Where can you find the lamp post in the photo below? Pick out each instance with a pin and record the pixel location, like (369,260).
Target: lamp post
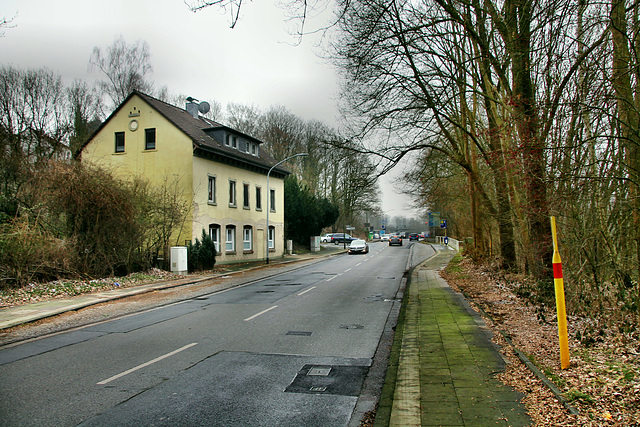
(269,197)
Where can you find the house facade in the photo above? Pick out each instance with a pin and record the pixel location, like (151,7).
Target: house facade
(219,172)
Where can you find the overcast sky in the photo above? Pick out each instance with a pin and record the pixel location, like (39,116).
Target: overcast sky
(196,54)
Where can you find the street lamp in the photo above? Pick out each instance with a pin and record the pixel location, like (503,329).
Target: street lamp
(269,197)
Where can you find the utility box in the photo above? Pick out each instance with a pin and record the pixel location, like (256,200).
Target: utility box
(179,260)
(315,244)
(290,247)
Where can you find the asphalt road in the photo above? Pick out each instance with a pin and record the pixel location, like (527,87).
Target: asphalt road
(288,350)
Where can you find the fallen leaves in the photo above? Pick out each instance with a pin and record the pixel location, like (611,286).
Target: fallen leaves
(603,380)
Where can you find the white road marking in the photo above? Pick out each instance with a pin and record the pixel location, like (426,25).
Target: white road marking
(358,264)
(348,269)
(151,362)
(304,292)
(259,314)
(332,277)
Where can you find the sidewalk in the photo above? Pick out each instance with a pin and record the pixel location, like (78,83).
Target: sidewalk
(446,362)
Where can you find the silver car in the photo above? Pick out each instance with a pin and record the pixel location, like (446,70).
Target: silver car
(358,246)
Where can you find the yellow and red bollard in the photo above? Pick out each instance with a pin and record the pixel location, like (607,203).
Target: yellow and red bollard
(558,282)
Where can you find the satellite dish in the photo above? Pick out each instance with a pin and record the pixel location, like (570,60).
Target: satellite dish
(204,107)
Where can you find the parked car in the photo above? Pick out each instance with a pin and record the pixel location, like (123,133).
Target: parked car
(358,246)
(413,236)
(326,238)
(342,238)
(395,239)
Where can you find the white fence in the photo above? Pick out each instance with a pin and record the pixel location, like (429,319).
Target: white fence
(452,243)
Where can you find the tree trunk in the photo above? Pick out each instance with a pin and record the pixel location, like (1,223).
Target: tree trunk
(518,19)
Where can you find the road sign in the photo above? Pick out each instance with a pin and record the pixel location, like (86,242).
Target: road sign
(443,223)
(351,228)
(434,219)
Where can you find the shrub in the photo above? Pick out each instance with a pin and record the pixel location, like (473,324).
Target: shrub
(30,253)
(201,255)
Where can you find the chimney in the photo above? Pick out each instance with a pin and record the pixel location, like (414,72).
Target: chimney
(192,107)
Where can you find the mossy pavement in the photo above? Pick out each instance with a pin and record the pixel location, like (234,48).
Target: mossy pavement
(443,364)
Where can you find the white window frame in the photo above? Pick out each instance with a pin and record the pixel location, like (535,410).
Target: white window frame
(230,238)
(247,238)
(214,233)
(271,237)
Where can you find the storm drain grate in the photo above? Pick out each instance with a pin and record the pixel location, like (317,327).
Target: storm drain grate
(328,379)
(299,333)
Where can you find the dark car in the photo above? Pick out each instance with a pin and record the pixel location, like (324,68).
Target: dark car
(413,236)
(395,239)
(342,238)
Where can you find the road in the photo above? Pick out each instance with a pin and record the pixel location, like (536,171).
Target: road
(289,350)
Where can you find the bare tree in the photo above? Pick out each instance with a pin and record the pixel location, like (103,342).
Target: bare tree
(124,68)
(34,128)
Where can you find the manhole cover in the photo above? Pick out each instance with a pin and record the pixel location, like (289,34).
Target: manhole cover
(339,380)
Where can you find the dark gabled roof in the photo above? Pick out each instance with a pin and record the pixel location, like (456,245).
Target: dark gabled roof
(195,129)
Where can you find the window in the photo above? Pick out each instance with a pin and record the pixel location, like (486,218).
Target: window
(258,198)
(227,140)
(247,238)
(271,237)
(214,233)
(245,196)
(150,139)
(234,142)
(230,244)
(254,150)
(212,189)
(119,142)
(272,200)
(232,194)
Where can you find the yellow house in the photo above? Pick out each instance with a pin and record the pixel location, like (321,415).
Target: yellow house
(220,172)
